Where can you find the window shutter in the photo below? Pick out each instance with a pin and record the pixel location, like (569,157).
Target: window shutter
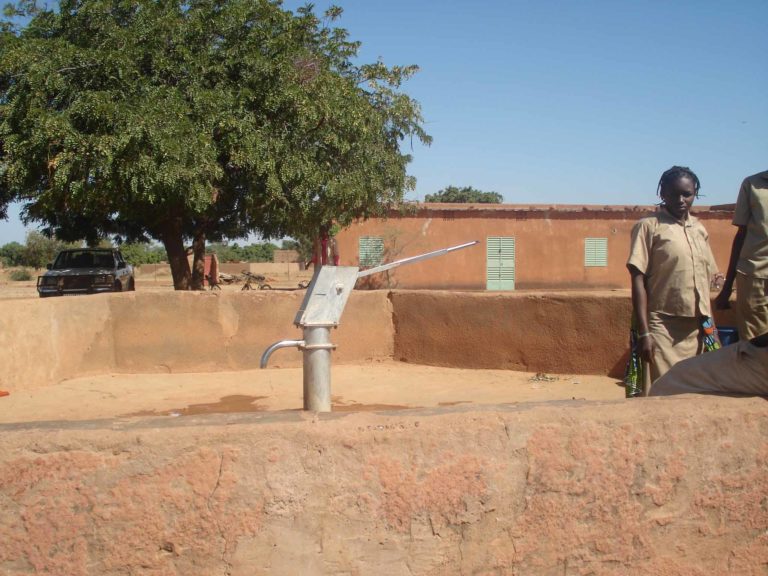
(595,252)
(370,251)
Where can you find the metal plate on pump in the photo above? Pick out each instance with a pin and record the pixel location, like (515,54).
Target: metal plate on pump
(326,296)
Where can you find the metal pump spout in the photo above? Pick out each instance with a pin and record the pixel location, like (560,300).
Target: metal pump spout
(277,346)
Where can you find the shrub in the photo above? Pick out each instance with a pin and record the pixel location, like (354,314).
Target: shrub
(138,253)
(20,275)
(11,254)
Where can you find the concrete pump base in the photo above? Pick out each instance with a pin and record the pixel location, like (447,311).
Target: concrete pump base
(654,486)
(139,439)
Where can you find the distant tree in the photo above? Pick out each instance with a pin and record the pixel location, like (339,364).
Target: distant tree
(262,252)
(196,120)
(464,194)
(12,254)
(138,253)
(226,252)
(289,244)
(40,250)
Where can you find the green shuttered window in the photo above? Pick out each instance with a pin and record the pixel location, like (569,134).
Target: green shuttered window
(500,263)
(370,251)
(595,252)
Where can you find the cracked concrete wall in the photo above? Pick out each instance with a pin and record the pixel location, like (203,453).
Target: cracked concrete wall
(659,486)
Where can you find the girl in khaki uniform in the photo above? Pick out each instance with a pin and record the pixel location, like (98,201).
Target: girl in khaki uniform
(671,265)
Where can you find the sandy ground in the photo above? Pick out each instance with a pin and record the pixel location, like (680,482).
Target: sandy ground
(374,387)
(153,282)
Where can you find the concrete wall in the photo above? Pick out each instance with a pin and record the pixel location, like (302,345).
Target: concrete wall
(549,244)
(286,256)
(657,486)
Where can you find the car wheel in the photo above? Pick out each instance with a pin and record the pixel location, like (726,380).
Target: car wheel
(131,285)
(118,287)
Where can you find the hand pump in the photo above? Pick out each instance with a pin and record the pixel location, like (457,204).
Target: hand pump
(320,311)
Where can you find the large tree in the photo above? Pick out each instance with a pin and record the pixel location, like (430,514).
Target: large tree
(464,194)
(196,120)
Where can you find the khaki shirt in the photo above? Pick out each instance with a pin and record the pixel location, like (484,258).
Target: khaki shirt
(752,212)
(677,262)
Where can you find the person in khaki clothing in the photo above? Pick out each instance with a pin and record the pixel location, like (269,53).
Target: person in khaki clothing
(740,369)
(748,264)
(671,266)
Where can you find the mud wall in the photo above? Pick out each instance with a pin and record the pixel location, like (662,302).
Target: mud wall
(565,489)
(45,341)
(565,332)
(582,333)
(549,244)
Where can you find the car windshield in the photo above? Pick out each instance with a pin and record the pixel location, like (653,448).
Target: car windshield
(84,259)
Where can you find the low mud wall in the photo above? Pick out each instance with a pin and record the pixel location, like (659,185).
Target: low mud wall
(45,341)
(559,332)
(671,486)
(582,333)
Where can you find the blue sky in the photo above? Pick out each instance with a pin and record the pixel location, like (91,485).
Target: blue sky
(573,102)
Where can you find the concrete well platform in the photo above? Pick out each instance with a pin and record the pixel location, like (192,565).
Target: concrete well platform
(655,486)
(472,434)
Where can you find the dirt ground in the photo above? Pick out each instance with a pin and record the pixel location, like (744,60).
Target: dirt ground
(373,387)
(151,282)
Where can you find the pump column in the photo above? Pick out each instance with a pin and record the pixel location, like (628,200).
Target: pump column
(317,368)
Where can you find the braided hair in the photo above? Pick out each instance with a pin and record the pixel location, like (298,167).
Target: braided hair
(674,174)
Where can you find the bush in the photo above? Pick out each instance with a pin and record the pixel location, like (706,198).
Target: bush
(12,254)
(138,253)
(20,275)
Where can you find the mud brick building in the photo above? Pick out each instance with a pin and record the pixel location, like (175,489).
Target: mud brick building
(520,246)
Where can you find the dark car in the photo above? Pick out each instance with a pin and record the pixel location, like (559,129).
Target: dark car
(86,271)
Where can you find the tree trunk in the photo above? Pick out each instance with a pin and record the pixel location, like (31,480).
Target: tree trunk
(317,251)
(198,262)
(173,240)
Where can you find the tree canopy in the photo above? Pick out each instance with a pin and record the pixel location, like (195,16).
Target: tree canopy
(196,120)
(464,194)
